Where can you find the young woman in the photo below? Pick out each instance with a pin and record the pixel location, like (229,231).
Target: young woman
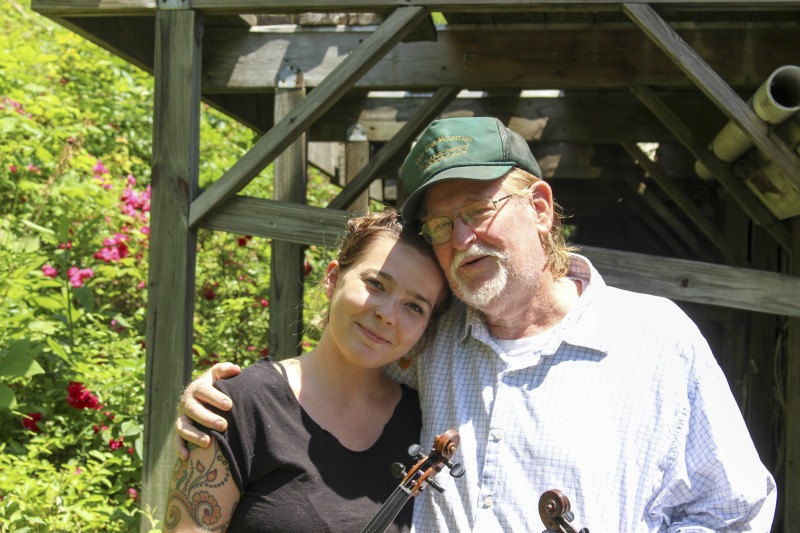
(310,440)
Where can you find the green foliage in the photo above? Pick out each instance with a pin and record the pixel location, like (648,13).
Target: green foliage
(76,124)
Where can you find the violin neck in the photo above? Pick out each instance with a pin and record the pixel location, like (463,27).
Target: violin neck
(388,511)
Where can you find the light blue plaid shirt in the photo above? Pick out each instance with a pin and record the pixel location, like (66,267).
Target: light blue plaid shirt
(621,406)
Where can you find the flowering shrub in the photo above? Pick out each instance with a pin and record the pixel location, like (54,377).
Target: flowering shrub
(74,237)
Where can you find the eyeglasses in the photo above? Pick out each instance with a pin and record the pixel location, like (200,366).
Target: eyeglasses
(439,230)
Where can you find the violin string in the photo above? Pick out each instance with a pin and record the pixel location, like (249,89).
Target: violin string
(388,511)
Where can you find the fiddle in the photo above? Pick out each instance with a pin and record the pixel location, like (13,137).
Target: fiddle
(415,480)
(554,510)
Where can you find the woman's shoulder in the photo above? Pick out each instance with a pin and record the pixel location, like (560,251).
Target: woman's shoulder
(263,375)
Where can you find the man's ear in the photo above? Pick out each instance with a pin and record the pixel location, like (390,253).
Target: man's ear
(543,205)
(331,277)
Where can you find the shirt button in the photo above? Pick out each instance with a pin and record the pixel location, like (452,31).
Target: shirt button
(498,435)
(488,501)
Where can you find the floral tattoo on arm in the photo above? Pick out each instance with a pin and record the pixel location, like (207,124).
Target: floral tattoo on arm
(192,482)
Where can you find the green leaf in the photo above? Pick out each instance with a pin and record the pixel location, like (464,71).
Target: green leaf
(58,350)
(48,302)
(85,297)
(20,364)
(7,398)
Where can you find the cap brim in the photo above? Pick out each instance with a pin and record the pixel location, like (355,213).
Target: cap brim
(410,209)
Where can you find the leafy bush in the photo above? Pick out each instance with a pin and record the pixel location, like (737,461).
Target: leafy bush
(74,173)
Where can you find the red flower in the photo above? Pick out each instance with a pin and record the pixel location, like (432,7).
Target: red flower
(79,397)
(307,268)
(29,421)
(115,444)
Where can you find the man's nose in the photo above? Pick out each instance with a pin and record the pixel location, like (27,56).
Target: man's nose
(463,234)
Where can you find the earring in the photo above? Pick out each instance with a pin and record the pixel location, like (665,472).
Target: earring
(407,359)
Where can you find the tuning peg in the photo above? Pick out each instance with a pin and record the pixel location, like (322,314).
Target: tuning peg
(398,470)
(456,470)
(415,450)
(435,485)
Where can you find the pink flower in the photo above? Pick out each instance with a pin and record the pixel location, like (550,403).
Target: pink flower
(79,397)
(141,285)
(99,168)
(132,494)
(114,248)
(29,421)
(12,168)
(78,470)
(65,245)
(78,275)
(264,302)
(131,451)
(115,444)
(49,271)
(116,326)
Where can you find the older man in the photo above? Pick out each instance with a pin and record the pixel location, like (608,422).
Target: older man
(552,378)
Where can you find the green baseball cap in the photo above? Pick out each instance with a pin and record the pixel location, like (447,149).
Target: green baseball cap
(467,148)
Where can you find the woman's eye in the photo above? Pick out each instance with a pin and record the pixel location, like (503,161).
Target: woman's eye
(374,283)
(417,308)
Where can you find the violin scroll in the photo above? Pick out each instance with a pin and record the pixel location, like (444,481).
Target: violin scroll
(444,447)
(554,510)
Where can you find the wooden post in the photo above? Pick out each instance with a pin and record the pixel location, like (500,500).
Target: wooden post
(286,278)
(170,302)
(356,157)
(791,496)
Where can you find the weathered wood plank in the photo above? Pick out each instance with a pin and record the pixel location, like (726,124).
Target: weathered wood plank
(316,103)
(476,57)
(743,196)
(287,261)
(170,301)
(79,7)
(792,406)
(292,6)
(693,281)
(278,220)
(718,91)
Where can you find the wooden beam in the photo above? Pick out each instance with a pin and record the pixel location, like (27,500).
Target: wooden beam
(717,90)
(473,6)
(315,104)
(743,196)
(93,7)
(693,281)
(686,204)
(476,57)
(401,141)
(791,473)
(295,223)
(171,273)
(287,259)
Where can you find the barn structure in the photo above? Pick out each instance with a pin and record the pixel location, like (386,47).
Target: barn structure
(668,130)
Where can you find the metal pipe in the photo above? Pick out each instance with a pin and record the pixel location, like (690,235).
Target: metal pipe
(776,100)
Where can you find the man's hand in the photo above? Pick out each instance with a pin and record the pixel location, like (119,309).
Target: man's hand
(191,408)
